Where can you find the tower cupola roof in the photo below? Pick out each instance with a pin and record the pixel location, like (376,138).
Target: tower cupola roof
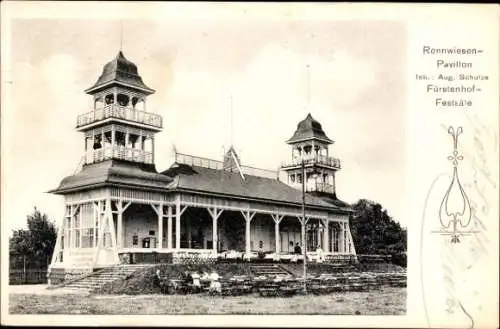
(308,129)
(120,71)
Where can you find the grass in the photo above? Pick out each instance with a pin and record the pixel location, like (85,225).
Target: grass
(385,301)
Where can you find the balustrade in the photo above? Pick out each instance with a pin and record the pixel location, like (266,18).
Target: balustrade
(319,160)
(120,152)
(120,112)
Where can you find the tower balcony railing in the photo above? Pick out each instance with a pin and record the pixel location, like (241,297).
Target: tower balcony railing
(319,159)
(312,186)
(119,152)
(321,187)
(316,187)
(119,112)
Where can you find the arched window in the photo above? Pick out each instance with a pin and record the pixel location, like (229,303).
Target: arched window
(109,99)
(134,101)
(97,142)
(140,104)
(98,103)
(122,99)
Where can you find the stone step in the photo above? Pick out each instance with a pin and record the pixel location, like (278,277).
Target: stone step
(104,276)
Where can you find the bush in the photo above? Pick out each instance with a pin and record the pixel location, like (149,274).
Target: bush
(400,259)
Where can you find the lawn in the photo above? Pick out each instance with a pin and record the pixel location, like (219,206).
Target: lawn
(385,301)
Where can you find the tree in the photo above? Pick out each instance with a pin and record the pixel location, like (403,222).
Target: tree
(374,231)
(35,244)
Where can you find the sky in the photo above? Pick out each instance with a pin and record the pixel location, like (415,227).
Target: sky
(357,92)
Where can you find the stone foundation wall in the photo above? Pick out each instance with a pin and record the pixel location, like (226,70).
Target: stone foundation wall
(58,276)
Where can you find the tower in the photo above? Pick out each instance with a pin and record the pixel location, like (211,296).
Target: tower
(118,127)
(118,169)
(310,148)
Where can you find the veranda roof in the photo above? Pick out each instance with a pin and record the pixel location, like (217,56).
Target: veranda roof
(114,171)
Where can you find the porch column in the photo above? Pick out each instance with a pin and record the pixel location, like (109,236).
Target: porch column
(277,241)
(160,226)
(178,225)
(169,227)
(119,225)
(318,235)
(215,213)
(248,218)
(178,213)
(326,245)
(341,237)
(152,149)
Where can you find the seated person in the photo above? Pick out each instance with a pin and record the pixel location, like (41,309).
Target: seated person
(187,278)
(205,276)
(196,280)
(297,249)
(215,286)
(320,256)
(214,276)
(157,278)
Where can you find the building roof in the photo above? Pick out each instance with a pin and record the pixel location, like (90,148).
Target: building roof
(114,171)
(201,179)
(120,71)
(308,129)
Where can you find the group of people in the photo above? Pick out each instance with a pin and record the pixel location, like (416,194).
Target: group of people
(320,257)
(194,280)
(196,277)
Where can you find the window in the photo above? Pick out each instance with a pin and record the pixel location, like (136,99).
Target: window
(292,178)
(88,238)
(299,178)
(151,232)
(135,240)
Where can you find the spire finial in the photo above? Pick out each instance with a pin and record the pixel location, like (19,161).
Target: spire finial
(308,81)
(121,35)
(231,109)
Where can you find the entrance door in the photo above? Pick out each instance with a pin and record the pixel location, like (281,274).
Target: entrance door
(288,240)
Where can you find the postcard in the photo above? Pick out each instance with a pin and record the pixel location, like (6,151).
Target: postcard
(250,164)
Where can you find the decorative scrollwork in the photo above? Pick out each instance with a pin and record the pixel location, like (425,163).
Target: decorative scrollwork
(455,211)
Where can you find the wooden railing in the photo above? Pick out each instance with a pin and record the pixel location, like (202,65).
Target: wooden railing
(321,187)
(219,165)
(198,161)
(119,152)
(120,112)
(320,159)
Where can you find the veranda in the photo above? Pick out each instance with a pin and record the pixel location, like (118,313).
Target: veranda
(113,225)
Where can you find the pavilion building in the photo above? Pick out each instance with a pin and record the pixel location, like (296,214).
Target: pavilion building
(119,208)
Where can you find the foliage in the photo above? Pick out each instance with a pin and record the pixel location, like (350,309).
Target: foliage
(34,245)
(375,232)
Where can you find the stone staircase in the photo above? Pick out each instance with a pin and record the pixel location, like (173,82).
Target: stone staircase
(99,279)
(268,269)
